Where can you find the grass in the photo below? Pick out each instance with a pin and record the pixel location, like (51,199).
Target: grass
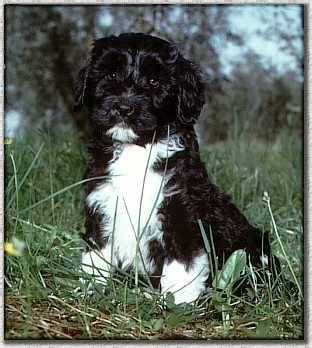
(40,296)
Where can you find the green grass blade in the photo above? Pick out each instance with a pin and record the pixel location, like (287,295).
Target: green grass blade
(67,188)
(266,198)
(26,173)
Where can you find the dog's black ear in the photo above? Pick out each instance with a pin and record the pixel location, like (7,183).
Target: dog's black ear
(172,54)
(82,84)
(83,89)
(80,89)
(191,97)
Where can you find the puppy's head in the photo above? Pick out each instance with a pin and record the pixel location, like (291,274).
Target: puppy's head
(134,84)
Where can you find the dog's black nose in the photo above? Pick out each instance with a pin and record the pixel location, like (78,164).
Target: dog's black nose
(127,109)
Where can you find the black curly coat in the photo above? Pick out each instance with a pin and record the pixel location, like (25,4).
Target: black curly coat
(162,89)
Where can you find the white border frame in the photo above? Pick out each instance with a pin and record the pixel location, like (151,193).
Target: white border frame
(307,179)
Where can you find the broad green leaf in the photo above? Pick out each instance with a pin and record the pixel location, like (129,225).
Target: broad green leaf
(169,300)
(178,319)
(175,320)
(157,324)
(231,271)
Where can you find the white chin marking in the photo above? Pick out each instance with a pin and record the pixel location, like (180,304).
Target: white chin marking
(122,134)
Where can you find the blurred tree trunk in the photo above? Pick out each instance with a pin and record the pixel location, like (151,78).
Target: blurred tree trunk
(62,71)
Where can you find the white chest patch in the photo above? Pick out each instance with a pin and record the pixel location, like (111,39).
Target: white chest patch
(130,201)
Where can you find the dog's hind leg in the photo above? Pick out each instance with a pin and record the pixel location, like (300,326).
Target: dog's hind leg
(185,282)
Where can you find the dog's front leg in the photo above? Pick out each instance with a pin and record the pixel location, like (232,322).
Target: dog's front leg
(96,261)
(185,281)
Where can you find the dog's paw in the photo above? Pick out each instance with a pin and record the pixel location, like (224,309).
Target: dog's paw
(96,270)
(185,284)
(186,296)
(91,286)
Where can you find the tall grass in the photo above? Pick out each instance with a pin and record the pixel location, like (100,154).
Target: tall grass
(44,209)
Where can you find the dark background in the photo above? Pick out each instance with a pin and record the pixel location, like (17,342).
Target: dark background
(45,46)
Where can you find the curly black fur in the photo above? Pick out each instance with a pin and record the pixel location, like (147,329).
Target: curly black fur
(145,82)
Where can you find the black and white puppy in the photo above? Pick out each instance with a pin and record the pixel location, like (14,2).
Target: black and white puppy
(143,99)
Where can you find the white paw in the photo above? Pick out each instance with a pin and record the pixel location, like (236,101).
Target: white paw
(185,285)
(96,265)
(186,296)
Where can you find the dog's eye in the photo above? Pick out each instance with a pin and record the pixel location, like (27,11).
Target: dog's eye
(111,75)
(153,82)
